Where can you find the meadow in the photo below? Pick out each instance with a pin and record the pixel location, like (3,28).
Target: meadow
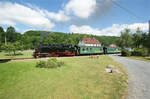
(22,54)
(80,78)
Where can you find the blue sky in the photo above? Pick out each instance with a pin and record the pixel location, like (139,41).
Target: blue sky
(97,17)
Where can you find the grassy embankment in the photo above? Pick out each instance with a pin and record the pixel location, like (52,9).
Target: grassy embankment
(80,78)
(140,58)
(23,54)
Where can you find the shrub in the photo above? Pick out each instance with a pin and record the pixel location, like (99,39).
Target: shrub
(140,52)
(41,64)
(125,52)
(50,63)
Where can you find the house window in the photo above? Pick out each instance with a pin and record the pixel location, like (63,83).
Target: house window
(86,41)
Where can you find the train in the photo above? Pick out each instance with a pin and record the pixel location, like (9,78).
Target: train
(87,46)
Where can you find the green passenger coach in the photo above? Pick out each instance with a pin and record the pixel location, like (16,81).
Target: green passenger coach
(90,46)
(113,49)
(90,50)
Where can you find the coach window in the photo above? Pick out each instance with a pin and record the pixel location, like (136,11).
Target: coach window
(83,49)
(87,48)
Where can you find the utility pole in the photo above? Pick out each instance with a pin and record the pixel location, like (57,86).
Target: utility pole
(149,27)
(5,39)
(149,39)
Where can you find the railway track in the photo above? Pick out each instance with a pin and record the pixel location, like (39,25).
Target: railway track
(15,59)
(21,59)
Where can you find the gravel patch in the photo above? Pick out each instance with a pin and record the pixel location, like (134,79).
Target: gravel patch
(139,77)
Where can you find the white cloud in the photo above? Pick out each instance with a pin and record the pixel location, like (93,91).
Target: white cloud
(13,13)
(60,16)
(81,8)
(85,29)
(114,30)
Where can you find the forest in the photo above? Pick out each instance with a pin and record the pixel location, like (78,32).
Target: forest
(31,38)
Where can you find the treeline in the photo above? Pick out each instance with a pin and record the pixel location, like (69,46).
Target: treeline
(32,38)
(134,43)
(10,40)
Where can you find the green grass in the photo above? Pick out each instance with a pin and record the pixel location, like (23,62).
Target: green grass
(80,78)
(24,54)
(140,58)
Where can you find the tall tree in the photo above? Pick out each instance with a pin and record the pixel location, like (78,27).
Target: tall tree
(12,47)
(125,40)
(10,34)
(1,33)
(146,41)
(137,38)
(1,36)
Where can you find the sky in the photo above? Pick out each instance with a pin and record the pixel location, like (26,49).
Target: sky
(96,17)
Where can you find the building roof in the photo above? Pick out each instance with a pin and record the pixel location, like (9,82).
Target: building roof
(113,45)
(90,41)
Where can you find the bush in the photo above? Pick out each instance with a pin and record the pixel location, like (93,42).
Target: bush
(50,63)
(140,52)
(125,52)
(41,64)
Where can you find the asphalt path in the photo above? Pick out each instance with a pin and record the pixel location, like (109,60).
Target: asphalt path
(139,77)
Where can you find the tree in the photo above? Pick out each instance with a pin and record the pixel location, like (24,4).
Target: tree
(148,44)
(16,47)
(7,47)
(125,40)
(12,47)
(1,35)
(145,41)
(137,38)
(11,35)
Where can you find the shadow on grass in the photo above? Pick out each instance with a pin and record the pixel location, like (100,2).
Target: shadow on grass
(17,54)
(146,58)
(4,60)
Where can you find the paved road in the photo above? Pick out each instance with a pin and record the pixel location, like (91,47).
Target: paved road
(139,77)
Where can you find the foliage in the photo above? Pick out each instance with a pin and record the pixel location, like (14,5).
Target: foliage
(145,42)
(41,64)
(50,63)
(125,52)
(140,52)
(1,34)
(36,37)
(125,40)
(31,38)
(12,35)
(137,38)
(140,58)
(12,47)
(8,47)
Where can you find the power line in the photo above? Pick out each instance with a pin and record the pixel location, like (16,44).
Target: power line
(127,10)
